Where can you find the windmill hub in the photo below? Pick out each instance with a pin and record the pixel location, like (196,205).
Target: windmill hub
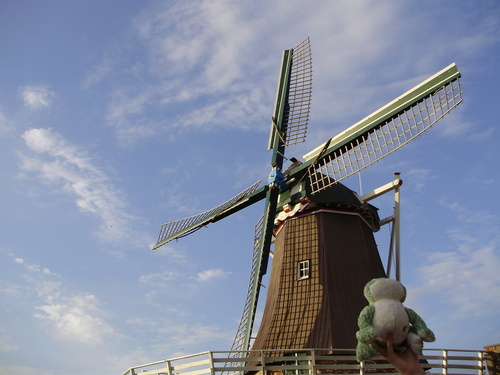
(276,179)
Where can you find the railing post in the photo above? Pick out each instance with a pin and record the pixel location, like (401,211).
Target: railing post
(211,362)
(445,361)
(312,367)
(262,362)
(480,364)
(362,368)
(169,367)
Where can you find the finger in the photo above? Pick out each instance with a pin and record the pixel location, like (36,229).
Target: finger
(381,348)
(390,343)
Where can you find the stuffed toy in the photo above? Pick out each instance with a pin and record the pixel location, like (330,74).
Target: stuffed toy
(386,314)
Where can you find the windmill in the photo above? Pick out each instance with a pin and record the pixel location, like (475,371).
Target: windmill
(324,249)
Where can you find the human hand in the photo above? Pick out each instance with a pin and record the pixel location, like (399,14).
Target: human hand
(406,362)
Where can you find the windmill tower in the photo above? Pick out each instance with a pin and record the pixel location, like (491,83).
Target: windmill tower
(324,249)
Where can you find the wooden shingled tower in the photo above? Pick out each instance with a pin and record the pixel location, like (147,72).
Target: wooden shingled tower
(322,260)
(322,232)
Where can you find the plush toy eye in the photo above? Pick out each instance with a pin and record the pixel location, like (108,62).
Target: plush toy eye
(405,328)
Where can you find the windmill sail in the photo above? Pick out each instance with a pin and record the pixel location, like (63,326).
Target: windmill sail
(290,121)
(384,131)
(246,323)
(180,228)
(293,101)
(289,125)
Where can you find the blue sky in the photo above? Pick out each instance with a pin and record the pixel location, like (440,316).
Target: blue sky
(117,116)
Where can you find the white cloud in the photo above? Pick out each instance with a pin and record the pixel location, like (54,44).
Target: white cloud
(465,278)
(68,314)
(420,178)
(192,335)
(5,342)
(32,267)
(184,338)
(126,104)
(196,53)
(74,171)
(458,276)
(193,53)
(77,317)
(160,279)
(212,274)
(36,97)
(482,220)
(170,279)
(97,73)
(5,126)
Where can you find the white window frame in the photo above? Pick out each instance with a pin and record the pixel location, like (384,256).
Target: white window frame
(303,269)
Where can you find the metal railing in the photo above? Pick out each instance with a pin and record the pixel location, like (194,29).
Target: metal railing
(309,361)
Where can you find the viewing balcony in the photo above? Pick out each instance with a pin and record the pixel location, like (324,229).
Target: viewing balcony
(314,361)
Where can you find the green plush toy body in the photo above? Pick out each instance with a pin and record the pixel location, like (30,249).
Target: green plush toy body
(386,314)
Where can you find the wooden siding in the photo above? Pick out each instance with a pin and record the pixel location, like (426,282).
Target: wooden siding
(321,311)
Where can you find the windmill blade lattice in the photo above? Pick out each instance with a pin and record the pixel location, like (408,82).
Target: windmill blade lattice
(246,321)
(180,228)
(293,100)
(289,126)
(296,115)
(386,130)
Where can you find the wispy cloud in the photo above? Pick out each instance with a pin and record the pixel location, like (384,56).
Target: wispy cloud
(457,276)
(420,177)
(209,275)
(190,335)
(465,279)
(195,55)
(160,279)
(58,162)
(67,314)
(5,126)
(36,97)
(98,72)
(171,279)
(183,337)
(32,267)
(78,317)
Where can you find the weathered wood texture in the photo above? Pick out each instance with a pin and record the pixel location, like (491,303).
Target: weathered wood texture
(321,311)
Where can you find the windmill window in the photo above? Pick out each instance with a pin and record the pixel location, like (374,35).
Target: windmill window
(303,270)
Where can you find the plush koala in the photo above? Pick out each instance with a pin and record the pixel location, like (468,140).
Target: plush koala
(386,314)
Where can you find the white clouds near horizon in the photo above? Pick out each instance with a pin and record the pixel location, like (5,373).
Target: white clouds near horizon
(462,280)
(66,313)
(78,317)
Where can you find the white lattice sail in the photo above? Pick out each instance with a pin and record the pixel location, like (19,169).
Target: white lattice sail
(385,130)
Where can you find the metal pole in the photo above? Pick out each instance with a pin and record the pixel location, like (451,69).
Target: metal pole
(397,227)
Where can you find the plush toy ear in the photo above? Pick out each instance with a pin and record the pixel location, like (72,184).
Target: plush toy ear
(367,292)
(404,294)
